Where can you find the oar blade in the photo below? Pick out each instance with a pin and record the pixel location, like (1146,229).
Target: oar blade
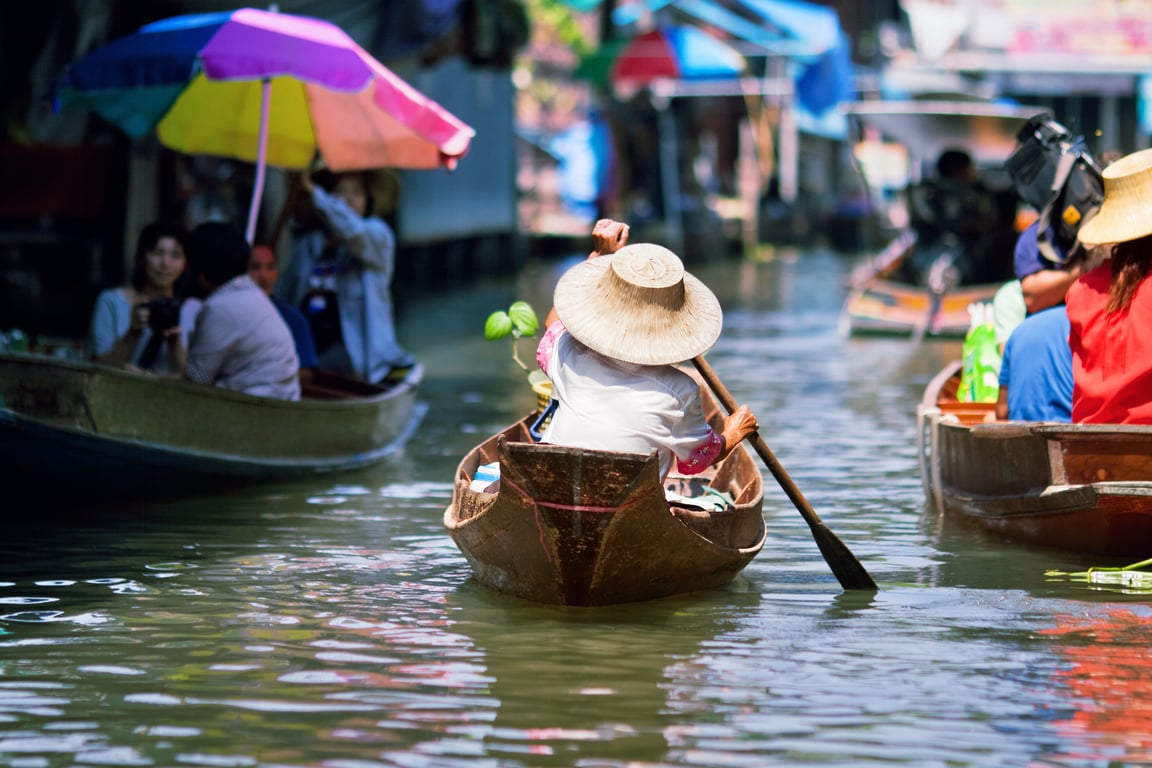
(848,570)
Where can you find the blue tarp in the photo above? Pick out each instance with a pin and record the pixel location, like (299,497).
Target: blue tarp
(815,26)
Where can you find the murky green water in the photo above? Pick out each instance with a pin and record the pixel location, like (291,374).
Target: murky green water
(334,624)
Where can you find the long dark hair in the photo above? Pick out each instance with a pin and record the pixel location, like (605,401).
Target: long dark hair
(1131,265)
(149,237)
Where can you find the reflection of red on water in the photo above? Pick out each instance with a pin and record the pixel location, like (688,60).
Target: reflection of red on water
(1108,681)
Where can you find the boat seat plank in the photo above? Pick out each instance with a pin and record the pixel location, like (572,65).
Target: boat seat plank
(969,413)
(554,474)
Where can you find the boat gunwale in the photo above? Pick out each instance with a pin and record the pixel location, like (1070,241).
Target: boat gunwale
(92,370)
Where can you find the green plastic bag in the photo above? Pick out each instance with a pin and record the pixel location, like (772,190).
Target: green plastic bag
(980,375)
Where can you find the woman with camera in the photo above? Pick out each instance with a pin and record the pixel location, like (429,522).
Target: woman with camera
(145,325)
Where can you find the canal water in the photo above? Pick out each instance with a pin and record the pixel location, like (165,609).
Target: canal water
(333,623)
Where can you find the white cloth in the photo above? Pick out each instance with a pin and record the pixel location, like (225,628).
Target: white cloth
(242,343)
(611,405)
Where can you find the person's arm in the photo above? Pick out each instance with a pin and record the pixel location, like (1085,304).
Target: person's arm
(1002,403)
(177,354)
(1003,379)
(738,425)
(367,238)
(108,348)
(1047,287)
(608,236)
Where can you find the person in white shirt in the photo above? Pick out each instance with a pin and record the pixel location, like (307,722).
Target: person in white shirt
(240,341)
(622,320)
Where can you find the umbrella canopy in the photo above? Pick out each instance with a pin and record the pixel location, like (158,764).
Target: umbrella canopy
(264,87)
(677,53)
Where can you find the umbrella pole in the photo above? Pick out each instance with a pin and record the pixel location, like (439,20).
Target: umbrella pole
(261,160)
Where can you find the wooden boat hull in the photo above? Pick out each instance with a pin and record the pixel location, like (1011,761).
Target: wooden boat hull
(81,429)
(1080,487)
(887,308)
(576,527)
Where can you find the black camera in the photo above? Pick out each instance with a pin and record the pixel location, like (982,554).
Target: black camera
(163,313)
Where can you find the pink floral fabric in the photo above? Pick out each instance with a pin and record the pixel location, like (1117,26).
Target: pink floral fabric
(702,456)
(547,345)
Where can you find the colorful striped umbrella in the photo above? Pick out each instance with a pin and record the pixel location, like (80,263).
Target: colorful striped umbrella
(266,88)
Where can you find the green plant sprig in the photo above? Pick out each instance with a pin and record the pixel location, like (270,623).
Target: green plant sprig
(519,322)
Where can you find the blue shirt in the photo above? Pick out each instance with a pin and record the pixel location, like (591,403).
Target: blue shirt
(1037,368)
(301,333)
(1028,259)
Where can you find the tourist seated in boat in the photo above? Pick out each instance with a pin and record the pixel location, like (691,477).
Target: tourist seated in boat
(1110,306)
(1047,257)
(1008,311)
(1036,369)
(340,274)
(264,269)
(240,341)
(621,322)
(145,325)
(1043,282)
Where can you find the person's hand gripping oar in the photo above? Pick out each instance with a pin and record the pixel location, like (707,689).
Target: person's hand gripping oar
(848,570)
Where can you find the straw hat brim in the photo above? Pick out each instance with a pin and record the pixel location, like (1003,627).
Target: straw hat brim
(604,314)
(1126,213)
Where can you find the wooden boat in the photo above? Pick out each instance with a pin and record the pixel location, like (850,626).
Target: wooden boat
(1085,488)
(878,303)
(81,429)
(579,527)
(885,296)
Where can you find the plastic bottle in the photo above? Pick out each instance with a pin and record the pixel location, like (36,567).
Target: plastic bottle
(980,374)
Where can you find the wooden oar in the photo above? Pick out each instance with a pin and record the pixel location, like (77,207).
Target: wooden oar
(921,328)
(848,570)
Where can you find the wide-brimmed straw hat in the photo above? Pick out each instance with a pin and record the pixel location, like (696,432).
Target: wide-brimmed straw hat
(640,306)
(1126,213)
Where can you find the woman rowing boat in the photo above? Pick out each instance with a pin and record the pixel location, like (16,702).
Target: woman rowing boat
(622,320)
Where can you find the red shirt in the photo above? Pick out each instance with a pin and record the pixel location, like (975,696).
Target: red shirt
(1111,352)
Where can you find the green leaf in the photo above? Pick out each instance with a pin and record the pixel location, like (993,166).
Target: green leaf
(524,318)
(497,326)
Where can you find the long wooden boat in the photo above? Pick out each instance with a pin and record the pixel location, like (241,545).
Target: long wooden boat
(579,527)
(880,304)
(80,429)
(882,299)
(1085,488)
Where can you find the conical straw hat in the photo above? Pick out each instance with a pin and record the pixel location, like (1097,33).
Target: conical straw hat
(640,306)
(1126,213)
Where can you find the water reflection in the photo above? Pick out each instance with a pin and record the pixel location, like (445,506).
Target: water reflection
(333,623)
(588,686)
(1108,711)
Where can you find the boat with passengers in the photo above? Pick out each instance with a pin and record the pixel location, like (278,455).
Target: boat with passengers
(956,247)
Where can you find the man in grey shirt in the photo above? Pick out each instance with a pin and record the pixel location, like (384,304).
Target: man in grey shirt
(240,341)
